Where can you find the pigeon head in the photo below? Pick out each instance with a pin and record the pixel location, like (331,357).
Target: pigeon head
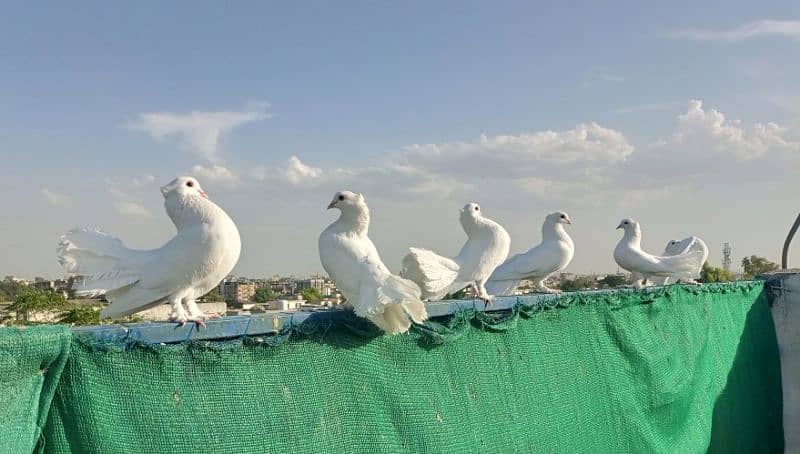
(629,226)
(183,187)
(469,215)
(471,209)
(347,201)
(672,243)
(559,217)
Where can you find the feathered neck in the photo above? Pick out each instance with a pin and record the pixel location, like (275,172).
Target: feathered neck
(354,220)
(554,231)
(185,211)
(468,222)
(633,236)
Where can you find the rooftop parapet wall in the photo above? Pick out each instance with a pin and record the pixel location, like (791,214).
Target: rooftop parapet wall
(676,369)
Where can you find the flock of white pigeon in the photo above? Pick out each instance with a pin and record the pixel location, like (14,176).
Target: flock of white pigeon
(207,245)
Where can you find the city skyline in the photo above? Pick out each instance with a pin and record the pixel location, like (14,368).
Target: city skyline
(685,118)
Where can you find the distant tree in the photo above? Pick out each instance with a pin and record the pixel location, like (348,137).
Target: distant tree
(31,300)
(212,296)
(263,295)
(311,294)
(81,315)
(714,274)
(613,280)
(579,283)
(10,289)
(755,265)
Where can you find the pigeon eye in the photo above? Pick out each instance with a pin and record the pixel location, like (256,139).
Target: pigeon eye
(190,184)
(341,197)
(563,217)
(477,209)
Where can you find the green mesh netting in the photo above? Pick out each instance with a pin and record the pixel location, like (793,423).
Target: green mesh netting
(684,369)
(31,362)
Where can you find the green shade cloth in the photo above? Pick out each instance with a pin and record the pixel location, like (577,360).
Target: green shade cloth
(676,370)
(31,363)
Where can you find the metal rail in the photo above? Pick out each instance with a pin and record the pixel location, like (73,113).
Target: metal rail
(792,231)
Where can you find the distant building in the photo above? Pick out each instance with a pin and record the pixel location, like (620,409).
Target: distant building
(287,305)
(43,284)
(567,276)
(283,285)
(63,286)
(316,282)
(237,291)
(328,289)
(18,280)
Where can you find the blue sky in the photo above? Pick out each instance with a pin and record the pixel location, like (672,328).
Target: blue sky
(583,107)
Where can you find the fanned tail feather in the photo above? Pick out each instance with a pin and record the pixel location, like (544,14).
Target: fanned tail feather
(101,260)
(433,273)
(686,265)
(389,301)
(688,246)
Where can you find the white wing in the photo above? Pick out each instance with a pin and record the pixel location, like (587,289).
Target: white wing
(485,250)
(433,273)
(371,289)
(686,265)
(172,266)
(540,261)
(689,244)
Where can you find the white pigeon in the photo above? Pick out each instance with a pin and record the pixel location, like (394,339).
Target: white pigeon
(629,255)
(675,247)
(553,254)
(352,261)
(204,250)
(486,248)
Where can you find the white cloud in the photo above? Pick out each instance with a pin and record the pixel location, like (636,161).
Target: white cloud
(142,181)
(594,78)
(756,29)
(121,190)
(215,173)
(717,134)
(293,172)
(199,131)
(297,172)
(704,147)
(131,208)
(707,148)
(55,199)
(533,161)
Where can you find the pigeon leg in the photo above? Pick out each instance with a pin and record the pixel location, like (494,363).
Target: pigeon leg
(195,314)
(178,313)
(472,290)
(639,285)
(483,294)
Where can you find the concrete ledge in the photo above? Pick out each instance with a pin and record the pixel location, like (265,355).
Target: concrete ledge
(274,322)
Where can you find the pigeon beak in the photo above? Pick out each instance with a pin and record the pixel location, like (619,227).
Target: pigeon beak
(332,205)
(203,194)
(164,191)
(619,226)
(569,221)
